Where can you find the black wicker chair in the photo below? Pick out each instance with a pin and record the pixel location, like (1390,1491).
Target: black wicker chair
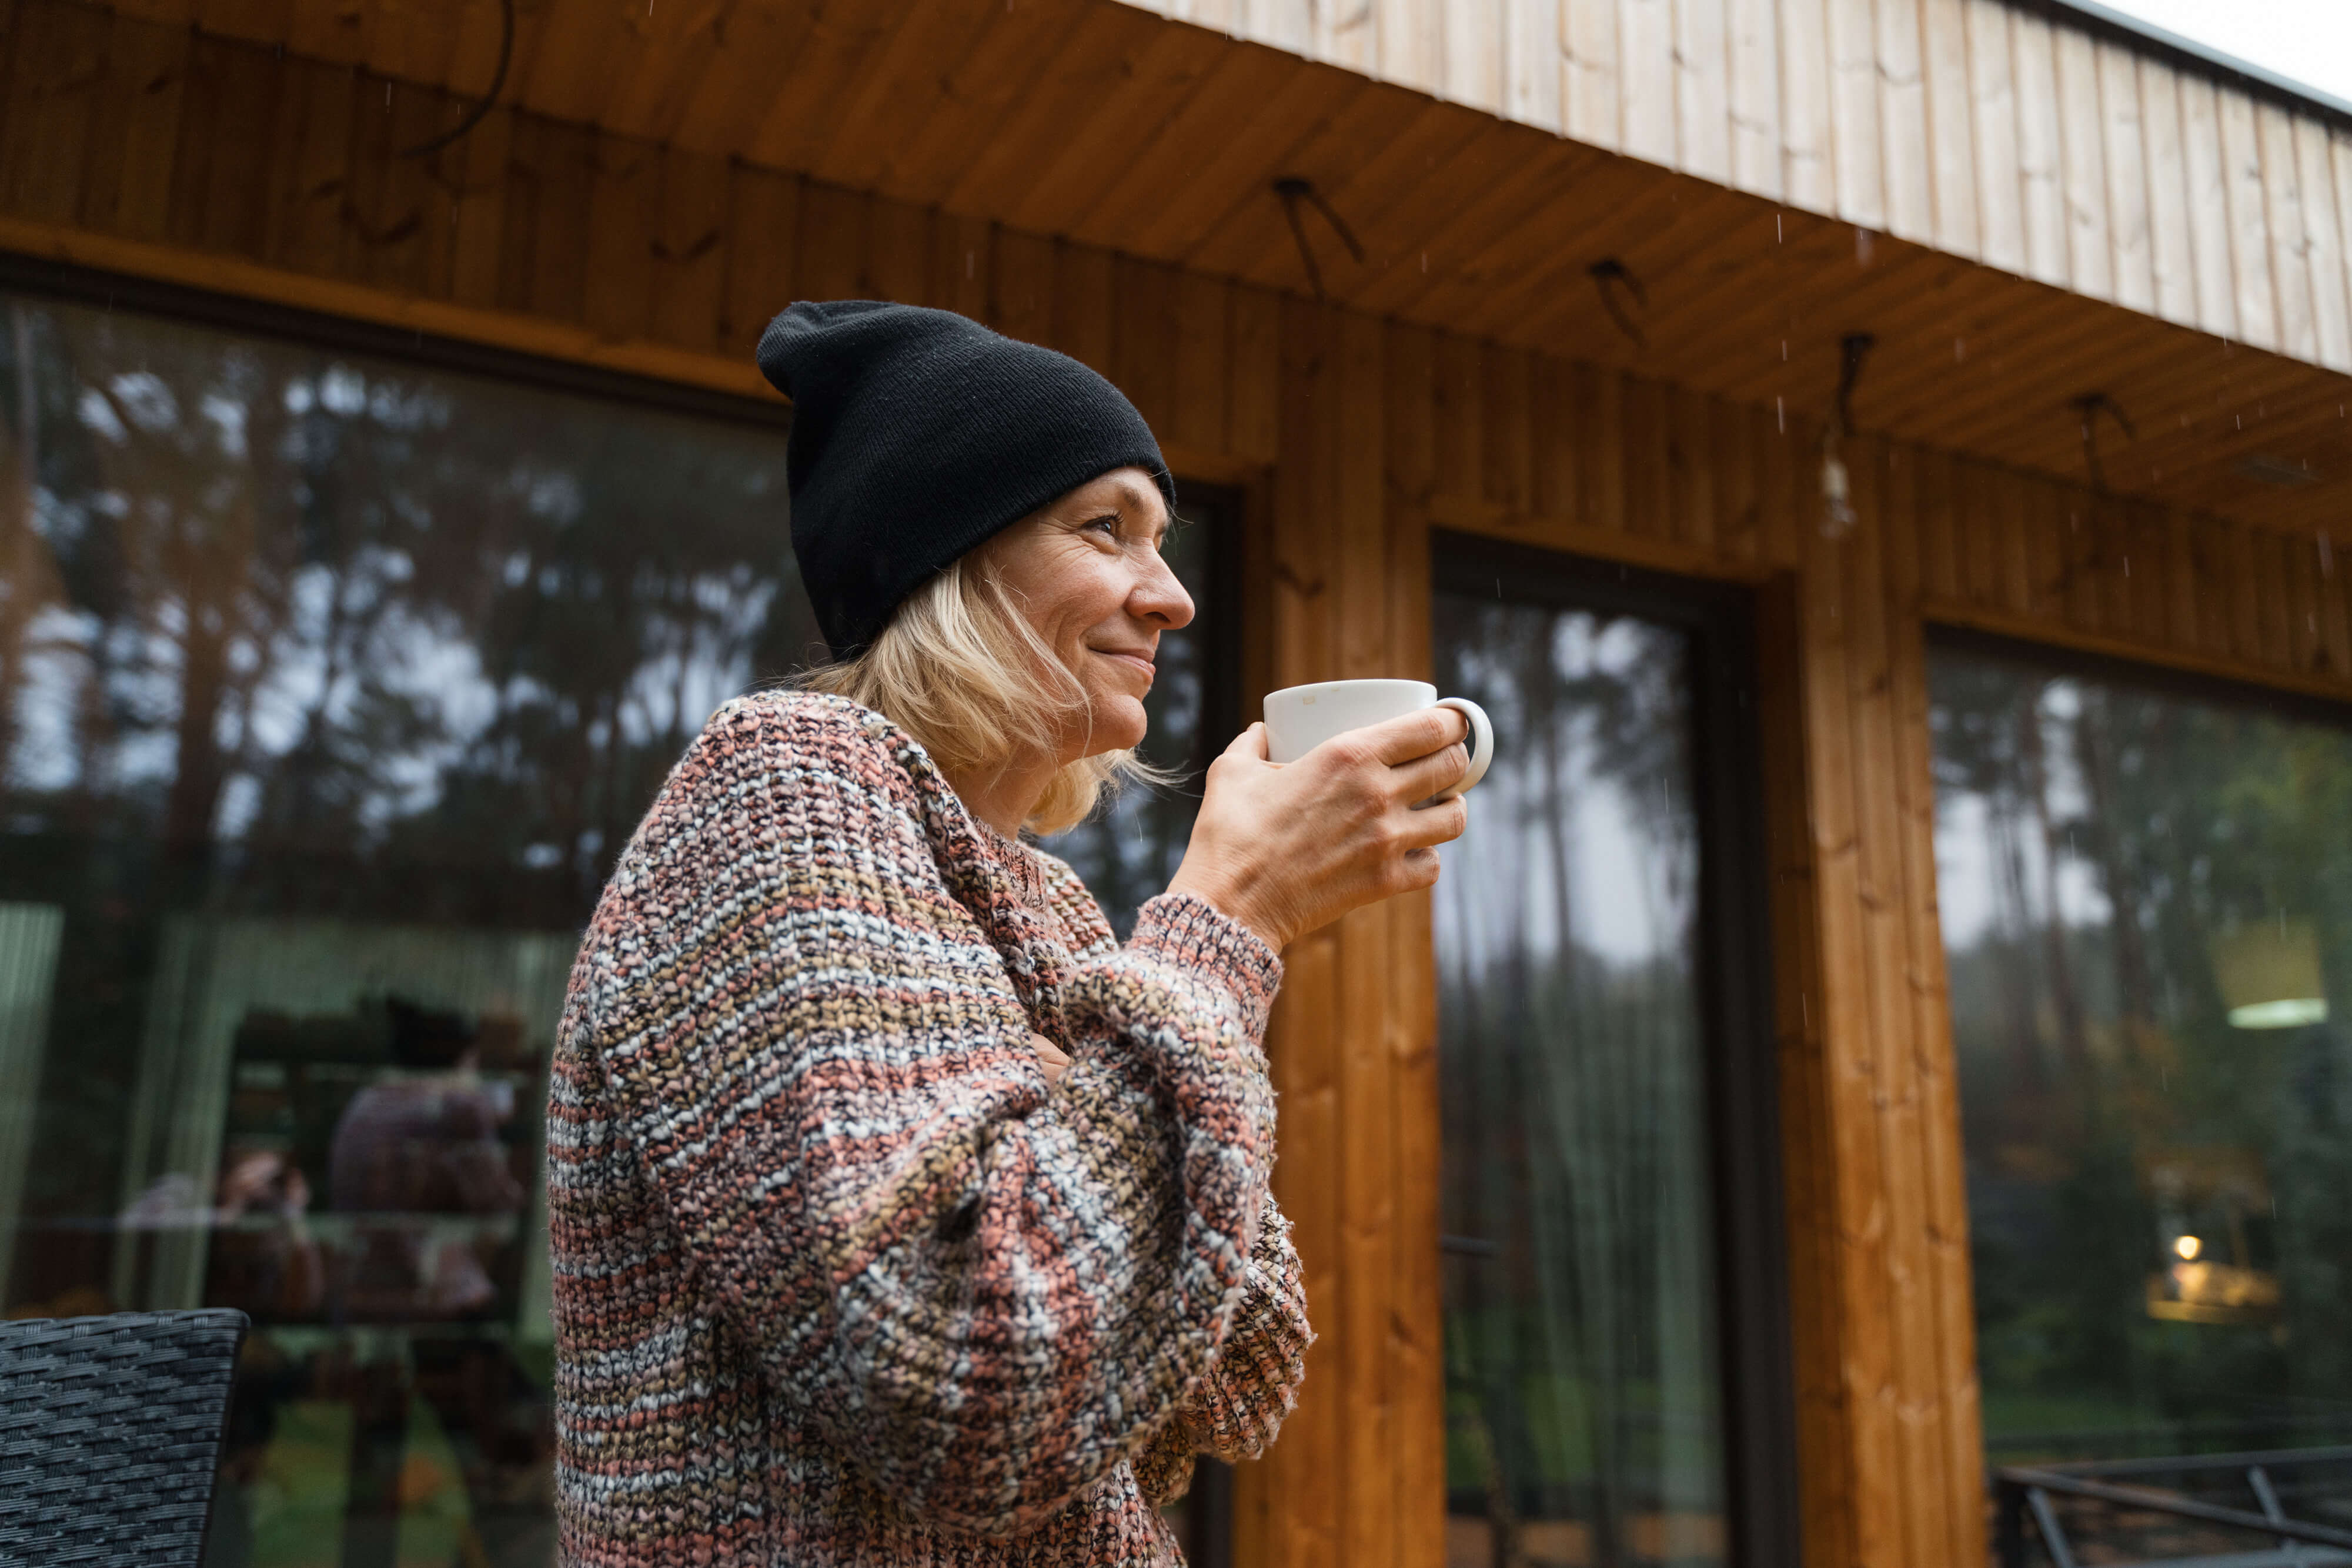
(109,1437)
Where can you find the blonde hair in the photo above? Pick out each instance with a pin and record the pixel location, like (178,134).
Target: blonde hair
(960,670)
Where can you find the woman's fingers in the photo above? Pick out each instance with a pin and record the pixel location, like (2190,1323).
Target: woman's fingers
(1433,825)
(1431,775)
(1417,734)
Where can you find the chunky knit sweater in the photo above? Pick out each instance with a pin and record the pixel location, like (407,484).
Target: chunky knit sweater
(838,1278)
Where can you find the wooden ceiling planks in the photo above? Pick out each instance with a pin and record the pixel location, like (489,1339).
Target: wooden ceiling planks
(1102,122)
(950,116)
(1374,152)
(1139,208)
(1085,163)
(1231,182)
(650,98)
(878,124)
(1065,124)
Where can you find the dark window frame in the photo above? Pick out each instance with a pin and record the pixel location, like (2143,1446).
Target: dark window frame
(1736,977)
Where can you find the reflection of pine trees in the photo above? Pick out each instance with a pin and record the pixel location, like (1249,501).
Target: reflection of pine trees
(1580,1354)
(2122,829)
(320,607)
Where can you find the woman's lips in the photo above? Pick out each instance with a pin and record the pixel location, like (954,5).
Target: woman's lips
(1137,661)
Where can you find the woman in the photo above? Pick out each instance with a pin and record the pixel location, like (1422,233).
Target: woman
(901,1216)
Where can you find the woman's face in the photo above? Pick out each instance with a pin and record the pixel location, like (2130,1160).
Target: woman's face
(1086,573)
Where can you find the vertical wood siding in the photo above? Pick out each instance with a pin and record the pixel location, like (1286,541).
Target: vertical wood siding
(1353,438)
(1983,130)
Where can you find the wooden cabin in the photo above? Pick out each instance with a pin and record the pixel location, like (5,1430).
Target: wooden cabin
(1877,458)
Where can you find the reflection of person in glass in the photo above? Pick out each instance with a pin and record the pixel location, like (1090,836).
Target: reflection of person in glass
(899,1214)
(263,1257)
(423,1144)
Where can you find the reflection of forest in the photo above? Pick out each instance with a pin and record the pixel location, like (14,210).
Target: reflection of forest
(2161,1243)
(1581,1367)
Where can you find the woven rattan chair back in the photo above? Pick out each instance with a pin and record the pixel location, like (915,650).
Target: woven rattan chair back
(109,1437)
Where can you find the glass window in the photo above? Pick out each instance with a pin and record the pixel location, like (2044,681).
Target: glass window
(334,683)
(2147,906)
(1583,1368)
(330,684)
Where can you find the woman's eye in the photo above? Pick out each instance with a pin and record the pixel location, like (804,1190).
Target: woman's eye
(1107,527)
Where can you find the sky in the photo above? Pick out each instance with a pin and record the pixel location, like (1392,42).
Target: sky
(2308,42)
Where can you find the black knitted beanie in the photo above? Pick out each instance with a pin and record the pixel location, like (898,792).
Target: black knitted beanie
(918,433)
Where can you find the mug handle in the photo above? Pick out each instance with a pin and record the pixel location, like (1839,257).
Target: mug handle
(1482,743)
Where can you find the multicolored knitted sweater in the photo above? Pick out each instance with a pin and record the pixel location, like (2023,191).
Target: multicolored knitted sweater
(838,1279)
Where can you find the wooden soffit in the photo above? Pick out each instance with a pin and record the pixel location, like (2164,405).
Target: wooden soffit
(1109,125)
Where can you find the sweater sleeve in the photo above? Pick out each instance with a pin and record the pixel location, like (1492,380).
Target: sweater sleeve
(1234,1411)
(1237,1407)
(984,1295)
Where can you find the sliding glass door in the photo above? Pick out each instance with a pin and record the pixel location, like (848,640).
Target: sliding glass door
(1604,1080)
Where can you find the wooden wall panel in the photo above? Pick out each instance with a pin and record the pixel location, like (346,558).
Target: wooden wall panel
(1354,436)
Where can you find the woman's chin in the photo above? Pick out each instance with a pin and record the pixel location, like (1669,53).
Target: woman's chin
(1119,725)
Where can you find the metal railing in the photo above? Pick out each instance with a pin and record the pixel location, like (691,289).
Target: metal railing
(2025,1491)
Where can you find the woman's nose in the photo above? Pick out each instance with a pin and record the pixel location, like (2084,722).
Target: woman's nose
(1160,597)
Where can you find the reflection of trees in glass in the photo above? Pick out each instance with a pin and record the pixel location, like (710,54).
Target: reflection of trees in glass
(306,603)
(1580,1338)
(2102,847)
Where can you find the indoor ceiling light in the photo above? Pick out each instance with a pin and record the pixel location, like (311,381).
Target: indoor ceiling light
(2287,1012)
(2270,975)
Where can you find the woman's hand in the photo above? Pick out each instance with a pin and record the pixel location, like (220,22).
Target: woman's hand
(1285,849)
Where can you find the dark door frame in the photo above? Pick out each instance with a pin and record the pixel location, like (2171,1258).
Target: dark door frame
(1735,956)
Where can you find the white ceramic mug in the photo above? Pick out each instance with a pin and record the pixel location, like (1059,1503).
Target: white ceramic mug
(1300,718)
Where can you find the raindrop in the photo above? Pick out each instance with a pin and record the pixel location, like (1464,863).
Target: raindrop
(1781,413)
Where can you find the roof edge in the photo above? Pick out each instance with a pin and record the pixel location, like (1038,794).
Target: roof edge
(2203,57)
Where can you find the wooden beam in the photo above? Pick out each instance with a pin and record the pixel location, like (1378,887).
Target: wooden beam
(304,291)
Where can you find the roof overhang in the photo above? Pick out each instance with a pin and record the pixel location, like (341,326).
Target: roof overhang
(1109,125)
